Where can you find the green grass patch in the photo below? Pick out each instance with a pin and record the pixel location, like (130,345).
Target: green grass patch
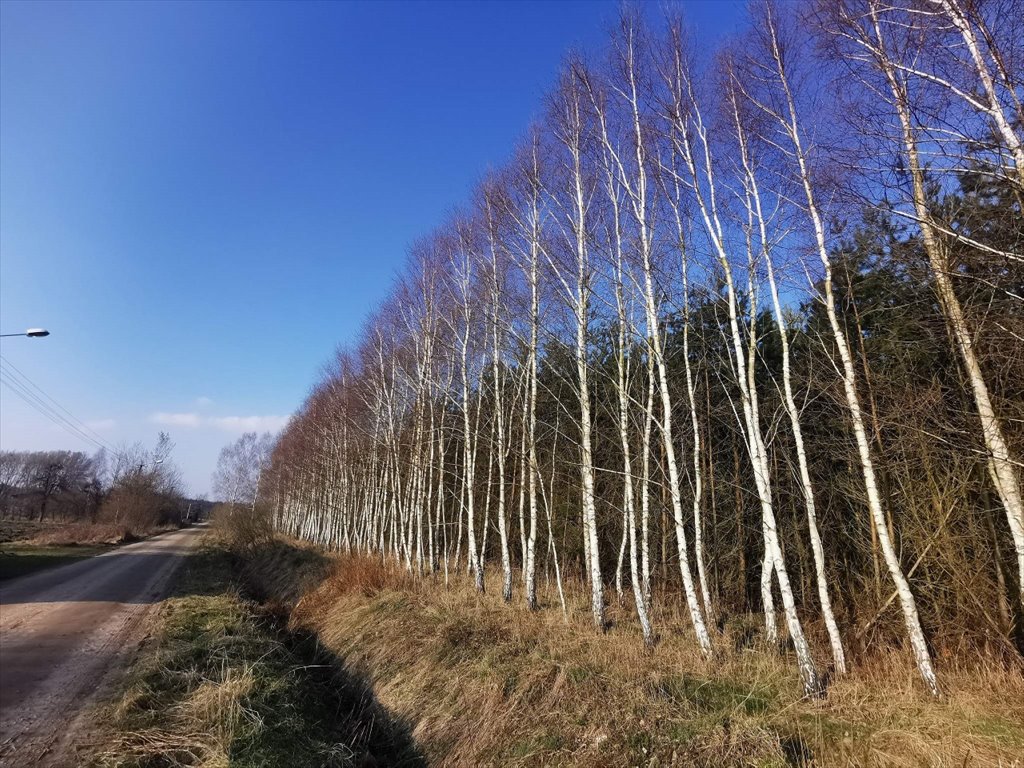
(223,684)
(24,559)
(1000,730)
(547,743)
(715,696)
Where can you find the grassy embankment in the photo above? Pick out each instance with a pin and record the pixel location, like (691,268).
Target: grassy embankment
(492,684)
(28,546)
(477,683)
(223,684)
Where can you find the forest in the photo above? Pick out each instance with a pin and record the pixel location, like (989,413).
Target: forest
(132,487)
(735,335)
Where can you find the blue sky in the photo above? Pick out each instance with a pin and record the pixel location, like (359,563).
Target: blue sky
(201,200)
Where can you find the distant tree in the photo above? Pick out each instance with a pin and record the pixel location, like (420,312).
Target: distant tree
(240,468)
(145,486)
(237,484)
(49,482)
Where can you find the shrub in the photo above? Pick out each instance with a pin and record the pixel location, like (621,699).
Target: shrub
(243,528)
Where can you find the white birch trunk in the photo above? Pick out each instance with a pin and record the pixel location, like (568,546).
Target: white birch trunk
(908,604)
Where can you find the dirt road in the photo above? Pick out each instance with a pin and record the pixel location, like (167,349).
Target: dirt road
(63,635)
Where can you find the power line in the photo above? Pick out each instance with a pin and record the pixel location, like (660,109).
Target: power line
(41,407)
(36,398)
(32,386)
(12,385)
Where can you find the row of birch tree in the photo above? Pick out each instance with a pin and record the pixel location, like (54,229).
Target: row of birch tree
(738,331)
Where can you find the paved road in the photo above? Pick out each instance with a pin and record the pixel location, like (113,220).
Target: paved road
(63,634)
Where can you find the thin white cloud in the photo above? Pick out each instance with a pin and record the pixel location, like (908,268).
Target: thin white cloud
(189,420)
(249,423)
(204,402)
(101,425)
(237,424)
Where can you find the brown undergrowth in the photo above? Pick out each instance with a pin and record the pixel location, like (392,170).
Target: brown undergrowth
(74,534)
(491,684)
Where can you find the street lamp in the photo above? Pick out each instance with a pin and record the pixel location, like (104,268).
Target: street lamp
(32,333)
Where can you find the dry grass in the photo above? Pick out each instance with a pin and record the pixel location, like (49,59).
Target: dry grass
(299,569)
(47,545)
(223,685)
(191,699)
(20,529)
(75,534)
(493,684)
